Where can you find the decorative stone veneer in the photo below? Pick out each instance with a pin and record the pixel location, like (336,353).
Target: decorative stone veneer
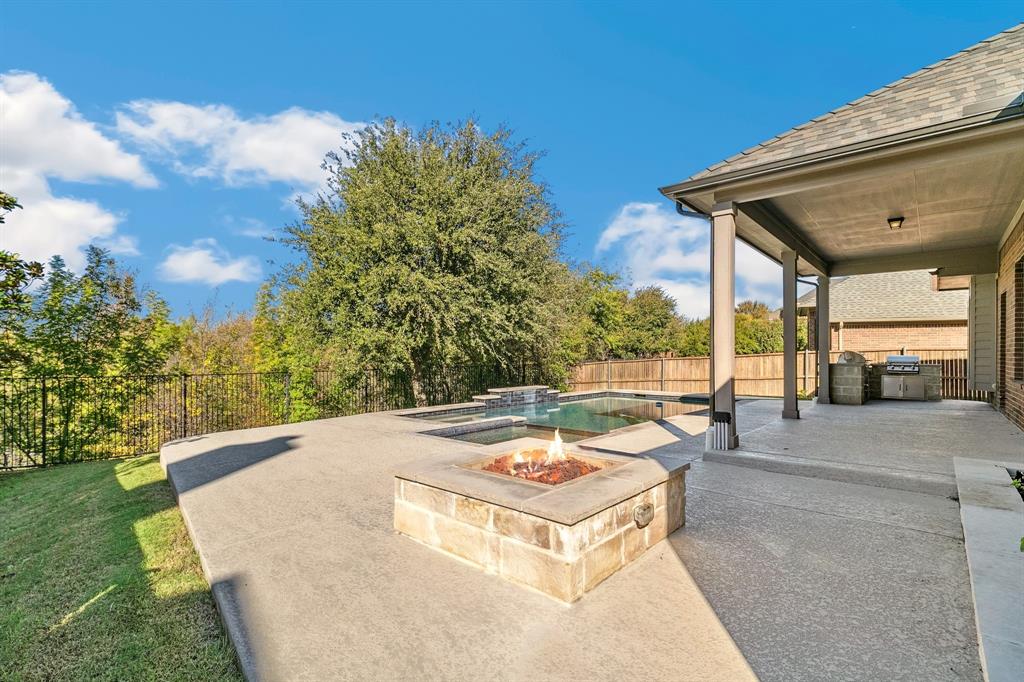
(847,383)
(562,557)
(516,395)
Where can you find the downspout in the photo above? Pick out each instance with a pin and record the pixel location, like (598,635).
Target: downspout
(691,212)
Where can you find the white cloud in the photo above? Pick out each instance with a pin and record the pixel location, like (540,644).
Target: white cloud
(248,227)
(662,248)
(205,261)
(43,136)
(214,141)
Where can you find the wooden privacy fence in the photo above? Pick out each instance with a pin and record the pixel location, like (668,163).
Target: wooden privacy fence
(756,375)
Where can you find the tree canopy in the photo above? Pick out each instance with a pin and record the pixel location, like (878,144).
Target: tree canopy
(15,277)
(431,247)
(92,324)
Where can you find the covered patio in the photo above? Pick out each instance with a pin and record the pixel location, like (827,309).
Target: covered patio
(925,173)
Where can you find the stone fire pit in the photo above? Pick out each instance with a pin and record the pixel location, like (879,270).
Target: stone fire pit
(561,538)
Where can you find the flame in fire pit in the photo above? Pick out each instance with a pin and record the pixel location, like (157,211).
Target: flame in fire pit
(551,467)
(556,453)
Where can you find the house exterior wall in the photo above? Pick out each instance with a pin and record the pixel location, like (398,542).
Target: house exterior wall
(861,336)
(981,325)
(1010,283)
(858,336)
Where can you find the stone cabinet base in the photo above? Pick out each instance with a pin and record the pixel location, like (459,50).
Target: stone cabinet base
(561,559)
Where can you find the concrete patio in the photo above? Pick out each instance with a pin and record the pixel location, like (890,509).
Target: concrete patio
(780,576)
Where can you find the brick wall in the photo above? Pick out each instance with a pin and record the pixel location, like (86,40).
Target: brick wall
(871,335)
(1010,284)
(861,336)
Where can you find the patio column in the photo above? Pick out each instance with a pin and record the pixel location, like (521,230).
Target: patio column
(790,407)
(723,320)
(824,334)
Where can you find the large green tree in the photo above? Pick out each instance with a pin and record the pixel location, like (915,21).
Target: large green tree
(78,328)
(431,248)
(651,326)
(593,314)
(15,277)
(95,323)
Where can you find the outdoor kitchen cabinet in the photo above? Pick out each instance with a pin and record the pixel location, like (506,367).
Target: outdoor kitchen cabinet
(910,387)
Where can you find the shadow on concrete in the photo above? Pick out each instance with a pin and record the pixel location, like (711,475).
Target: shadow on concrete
(679,433)
(198,470)
(806,587)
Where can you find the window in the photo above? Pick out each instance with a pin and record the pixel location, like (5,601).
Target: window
(1018,322)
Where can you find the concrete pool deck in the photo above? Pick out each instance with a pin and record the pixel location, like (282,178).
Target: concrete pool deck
(780,576)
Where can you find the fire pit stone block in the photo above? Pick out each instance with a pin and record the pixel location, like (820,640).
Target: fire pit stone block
(561,540)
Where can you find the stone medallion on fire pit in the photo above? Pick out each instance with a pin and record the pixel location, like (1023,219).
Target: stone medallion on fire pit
(558,520)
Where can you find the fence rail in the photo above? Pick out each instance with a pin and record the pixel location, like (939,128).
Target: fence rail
(51,420)
(756,375)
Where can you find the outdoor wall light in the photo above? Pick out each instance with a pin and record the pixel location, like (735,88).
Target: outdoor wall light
(895,223)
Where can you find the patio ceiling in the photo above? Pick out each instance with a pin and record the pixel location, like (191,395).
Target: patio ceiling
(956,193)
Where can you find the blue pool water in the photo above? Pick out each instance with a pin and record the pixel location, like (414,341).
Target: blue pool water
(504,433)
(593,416)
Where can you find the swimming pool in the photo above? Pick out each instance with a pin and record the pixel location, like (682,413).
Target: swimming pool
(594,415)
(504,433)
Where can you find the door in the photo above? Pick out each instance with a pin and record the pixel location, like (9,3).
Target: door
(913,387)
(892,386)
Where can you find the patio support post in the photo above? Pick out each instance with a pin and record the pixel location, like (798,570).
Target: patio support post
(723,320)
(790,407)
(824,338)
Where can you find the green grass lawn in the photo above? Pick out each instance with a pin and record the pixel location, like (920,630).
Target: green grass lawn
(99,580)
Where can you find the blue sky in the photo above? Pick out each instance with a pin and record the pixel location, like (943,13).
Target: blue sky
(177,134)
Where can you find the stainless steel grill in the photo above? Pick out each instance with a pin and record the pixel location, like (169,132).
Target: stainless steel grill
(902,379)
(903,364)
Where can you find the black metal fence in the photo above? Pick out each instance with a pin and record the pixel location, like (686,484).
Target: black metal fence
(52,420)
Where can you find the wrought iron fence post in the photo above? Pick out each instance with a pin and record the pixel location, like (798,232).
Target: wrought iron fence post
(287,397)
(44,419)
(184,408)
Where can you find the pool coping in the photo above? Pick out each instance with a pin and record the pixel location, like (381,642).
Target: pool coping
(421,413)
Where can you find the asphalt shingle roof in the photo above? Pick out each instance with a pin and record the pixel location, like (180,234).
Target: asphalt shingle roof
(983,79)
(890,296)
